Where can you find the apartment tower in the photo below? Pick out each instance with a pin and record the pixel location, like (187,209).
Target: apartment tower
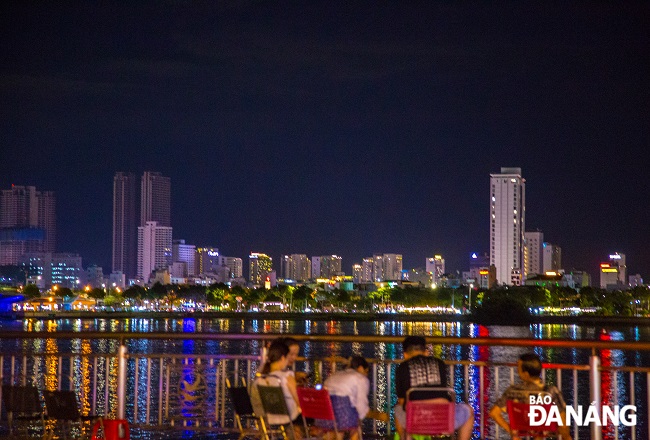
(125,224)
(507,224)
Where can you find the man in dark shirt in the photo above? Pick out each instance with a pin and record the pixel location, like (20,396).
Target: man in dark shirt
(420,370)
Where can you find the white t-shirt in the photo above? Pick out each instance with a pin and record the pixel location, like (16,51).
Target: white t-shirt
(352,384)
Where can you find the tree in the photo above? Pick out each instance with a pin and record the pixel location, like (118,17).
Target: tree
(97,293)
(31,291)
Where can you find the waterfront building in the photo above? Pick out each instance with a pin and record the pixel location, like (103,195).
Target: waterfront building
(385,267)
(47,269)
(326,266)
(552,257)
(234,265)
(357,271)
(436,267)
(366,270)
(155,199)
(118,279)
(533,253)
(27,222)
(125,224)
(635,280)
(66,270)
(577,279)
(613,273)
(94,276)
(154,249)
(186,253)
(417,275)
(207,259)
(296,267)
(260,265)
(479,269)
(507,224)
(178,270)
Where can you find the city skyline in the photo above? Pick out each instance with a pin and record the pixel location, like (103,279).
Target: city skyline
(325,128)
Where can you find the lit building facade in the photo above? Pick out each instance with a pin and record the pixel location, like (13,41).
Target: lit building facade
(155,199)
(296,267)
(207,259)
(367,266)
(125,224)
(154,249)
(46,269)
(507,224)
(326,266)
(234,264)
(613,273)
(185,253)
(386,267)
(479,269)
(27,222)
(260,265)
(534,253)
(552,256)
(436,267)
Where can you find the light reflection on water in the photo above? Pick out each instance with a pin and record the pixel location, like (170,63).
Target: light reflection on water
(53,373)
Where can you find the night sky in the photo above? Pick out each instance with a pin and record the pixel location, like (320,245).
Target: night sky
(336,127)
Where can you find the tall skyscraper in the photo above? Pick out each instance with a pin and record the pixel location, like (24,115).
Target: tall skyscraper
(207,259)
(234,265)
(260,265)
(155,199)
(533,255)
(154,249)
(125,224)
(507,224)
(27,222)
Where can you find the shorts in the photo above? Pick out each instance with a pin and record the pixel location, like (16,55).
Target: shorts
(462,413)
(346,415)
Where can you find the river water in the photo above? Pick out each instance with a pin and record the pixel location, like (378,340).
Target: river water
(614,386)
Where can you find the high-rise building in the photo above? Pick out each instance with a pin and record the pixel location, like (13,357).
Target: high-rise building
(260,265)
(27,222)
(385,267)
(613,273)
(552,256)
(154,249)
(207,259)
(534,253)
(326,266)
(186,253)
(155,199)
(367,266)
(436,267)
(234,264)
(125,224)
(357,272)
(479,269)
(507,224)
(296,267)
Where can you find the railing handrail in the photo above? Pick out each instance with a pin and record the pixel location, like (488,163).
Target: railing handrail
(438,340)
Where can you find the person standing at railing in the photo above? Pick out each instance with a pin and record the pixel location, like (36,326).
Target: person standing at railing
(529,368)
(421,370)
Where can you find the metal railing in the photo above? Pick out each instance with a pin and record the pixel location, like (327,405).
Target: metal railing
(189,390)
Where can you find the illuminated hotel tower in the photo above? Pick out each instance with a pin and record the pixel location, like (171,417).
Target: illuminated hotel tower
(507,224)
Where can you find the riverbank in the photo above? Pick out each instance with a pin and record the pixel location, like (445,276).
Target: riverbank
(589,320)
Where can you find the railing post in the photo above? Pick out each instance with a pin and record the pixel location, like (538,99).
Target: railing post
(121,380)
(594,392)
